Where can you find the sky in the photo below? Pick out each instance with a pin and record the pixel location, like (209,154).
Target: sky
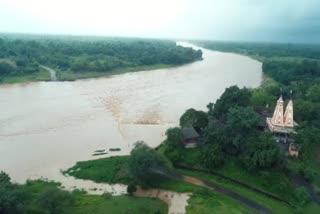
(237,20)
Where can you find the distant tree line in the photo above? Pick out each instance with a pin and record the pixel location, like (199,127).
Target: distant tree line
(265,50)
(85,55)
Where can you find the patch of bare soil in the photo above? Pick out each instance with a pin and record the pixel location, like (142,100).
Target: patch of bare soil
(177,202)
(195,181)
(9,61)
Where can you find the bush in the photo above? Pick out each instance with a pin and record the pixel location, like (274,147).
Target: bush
(301,197)
(145,165)
(13,197)
(308,173)
(172,153)
(55,200)
(213,156)
(107,195)
(131,188)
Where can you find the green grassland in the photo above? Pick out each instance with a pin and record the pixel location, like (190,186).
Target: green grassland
(85,204)
(108,170)
(71,75)
(41,75)
(114,170)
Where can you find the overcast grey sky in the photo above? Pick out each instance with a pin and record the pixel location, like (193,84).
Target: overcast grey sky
(248,20)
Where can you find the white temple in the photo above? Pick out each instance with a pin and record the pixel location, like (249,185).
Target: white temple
(282,122)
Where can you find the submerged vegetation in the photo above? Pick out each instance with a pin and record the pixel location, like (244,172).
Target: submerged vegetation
(83,57)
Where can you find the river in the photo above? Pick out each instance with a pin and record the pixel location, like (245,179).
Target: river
(46,127)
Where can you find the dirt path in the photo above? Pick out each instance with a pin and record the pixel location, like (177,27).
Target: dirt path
(218,188)
(235,196)
(177,202)
(52,73)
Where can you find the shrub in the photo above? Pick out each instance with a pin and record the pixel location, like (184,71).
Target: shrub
(107,195)
(55,200)
(301,197)
(308,173)
(131,188)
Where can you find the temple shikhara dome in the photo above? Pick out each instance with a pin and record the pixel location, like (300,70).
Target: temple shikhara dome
(282,122)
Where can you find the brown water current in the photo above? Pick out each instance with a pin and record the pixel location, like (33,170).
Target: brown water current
(45,127)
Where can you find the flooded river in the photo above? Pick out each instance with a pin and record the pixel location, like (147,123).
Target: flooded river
(48,126)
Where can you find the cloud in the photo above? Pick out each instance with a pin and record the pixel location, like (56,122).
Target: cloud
(277,20)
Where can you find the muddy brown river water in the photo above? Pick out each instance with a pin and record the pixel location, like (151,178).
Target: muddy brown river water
(46,127)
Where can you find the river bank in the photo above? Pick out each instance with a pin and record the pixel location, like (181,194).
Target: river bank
(59,75)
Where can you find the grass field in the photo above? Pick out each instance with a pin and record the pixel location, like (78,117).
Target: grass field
(108,170)
(273,205)
(71,76)
(42,75)
(114,170)
(273,182)
(87,204)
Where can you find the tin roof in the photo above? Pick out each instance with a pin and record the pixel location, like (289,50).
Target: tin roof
(189,132)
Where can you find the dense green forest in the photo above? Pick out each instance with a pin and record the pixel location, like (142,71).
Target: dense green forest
(22,55)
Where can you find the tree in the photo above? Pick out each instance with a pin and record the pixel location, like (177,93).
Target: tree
(307,138)
(5,69)
(4,178)
(231,97)
(242,120)
(213,156)
(131,188)
(146,164)
(260,98)
(241,123)
(174,137)
(54,200)
(194,118)
(304,110)
(313,93)
(301,197)
(261,152)
(13,197)
(173,144)
(308,172)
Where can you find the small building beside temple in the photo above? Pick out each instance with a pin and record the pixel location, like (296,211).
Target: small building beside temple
(282,124)
(190,137)
(293,150)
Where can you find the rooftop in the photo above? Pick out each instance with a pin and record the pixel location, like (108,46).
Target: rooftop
(189,132)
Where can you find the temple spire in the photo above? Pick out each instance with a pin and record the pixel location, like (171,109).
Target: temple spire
(277,118)
(288,115)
